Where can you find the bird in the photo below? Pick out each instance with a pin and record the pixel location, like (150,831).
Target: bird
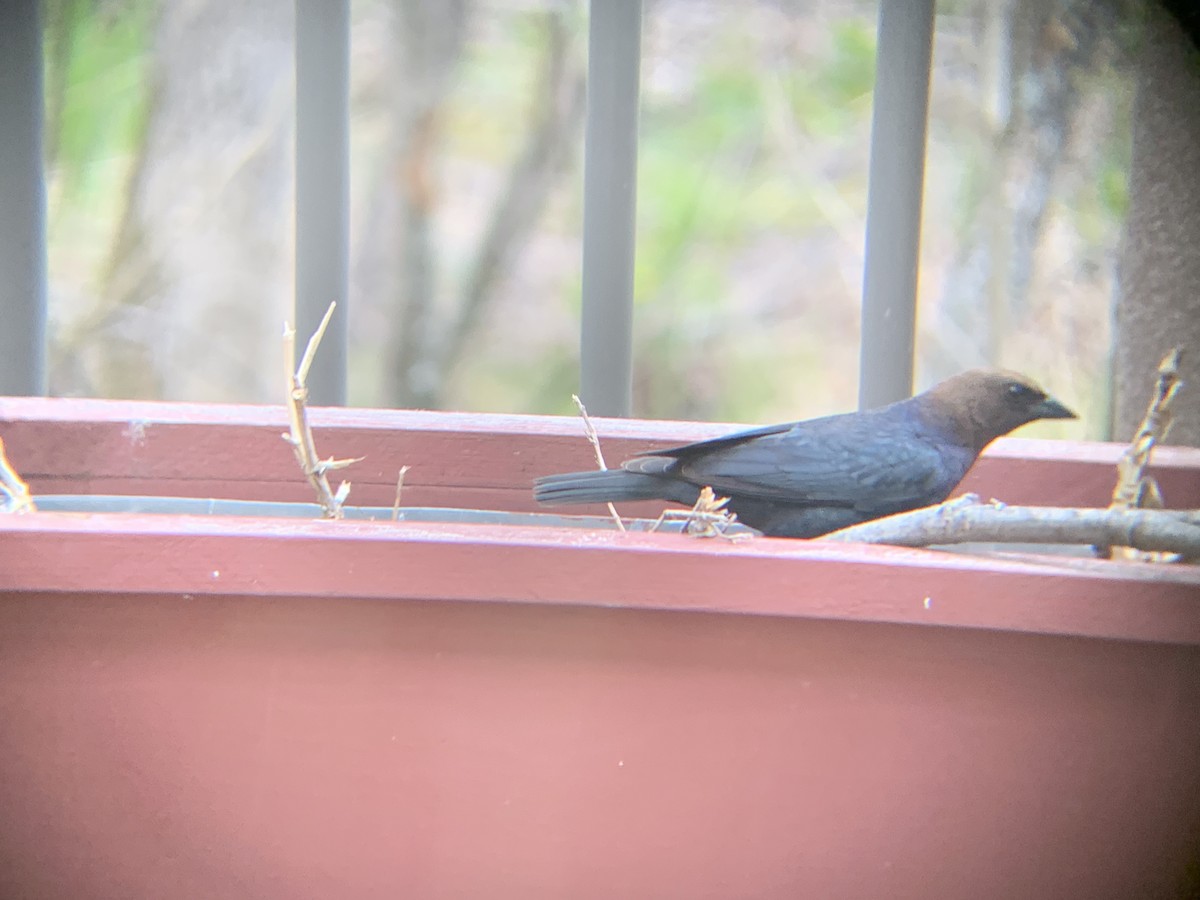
(808,478)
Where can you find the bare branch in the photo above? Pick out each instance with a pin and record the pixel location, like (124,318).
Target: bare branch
(310,351)
(589,431)
(1135,488)
(965,520)
(300,434)
(330,464)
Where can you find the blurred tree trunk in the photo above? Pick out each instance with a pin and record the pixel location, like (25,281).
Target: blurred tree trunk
(428,36)
(199,279)
(1158,306)
(1038,53)
(436,315)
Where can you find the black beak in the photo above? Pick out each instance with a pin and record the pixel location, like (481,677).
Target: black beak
(1051,409)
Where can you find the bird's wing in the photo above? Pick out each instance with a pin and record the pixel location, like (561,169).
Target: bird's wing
(671,460)
(690,451)
(870,463)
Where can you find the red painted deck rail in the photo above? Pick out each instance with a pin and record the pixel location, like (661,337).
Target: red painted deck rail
(461,460)
(90,446)
(198,556)
(209,707)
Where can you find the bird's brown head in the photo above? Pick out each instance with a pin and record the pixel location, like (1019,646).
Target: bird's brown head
(982,404)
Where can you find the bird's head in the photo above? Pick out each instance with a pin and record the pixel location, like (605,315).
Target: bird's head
(980,405)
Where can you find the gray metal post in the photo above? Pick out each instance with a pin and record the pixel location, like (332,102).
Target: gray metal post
(22,201)
(901,107)
(609,205)
(323,187)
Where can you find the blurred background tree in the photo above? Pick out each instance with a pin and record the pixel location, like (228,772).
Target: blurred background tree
(170,165)
(1158,306)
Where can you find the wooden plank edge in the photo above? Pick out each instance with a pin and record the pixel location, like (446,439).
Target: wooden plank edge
(196,556)
(652,431)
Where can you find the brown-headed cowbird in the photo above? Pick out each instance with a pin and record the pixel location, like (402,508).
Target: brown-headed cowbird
(804,479)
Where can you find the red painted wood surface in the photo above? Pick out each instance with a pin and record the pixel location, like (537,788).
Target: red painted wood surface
(197,555)
(456,459)
(196,707)
(275,747)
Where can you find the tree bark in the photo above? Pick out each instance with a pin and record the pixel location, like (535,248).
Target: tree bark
(1158,306)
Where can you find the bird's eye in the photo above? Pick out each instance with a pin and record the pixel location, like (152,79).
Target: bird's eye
(1019,391)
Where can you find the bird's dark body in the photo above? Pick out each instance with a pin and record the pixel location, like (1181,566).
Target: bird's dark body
(808,478)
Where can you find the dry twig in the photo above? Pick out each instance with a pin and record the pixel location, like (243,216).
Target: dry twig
(965,520)
(399,488)
(1135,488)
(594,439)
(14,488)
(708,518)
(300,434)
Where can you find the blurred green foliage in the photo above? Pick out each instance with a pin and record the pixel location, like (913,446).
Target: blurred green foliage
(839,87)
(708,177)
(97,78)
(749,153)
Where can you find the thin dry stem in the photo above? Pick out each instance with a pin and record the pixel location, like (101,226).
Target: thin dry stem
(300,434)
(1135,488)
(14,487)
(594,439)
(708,518)
(310,351)
(399,488)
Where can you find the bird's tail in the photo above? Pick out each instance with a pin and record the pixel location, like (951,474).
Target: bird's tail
(608,486)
